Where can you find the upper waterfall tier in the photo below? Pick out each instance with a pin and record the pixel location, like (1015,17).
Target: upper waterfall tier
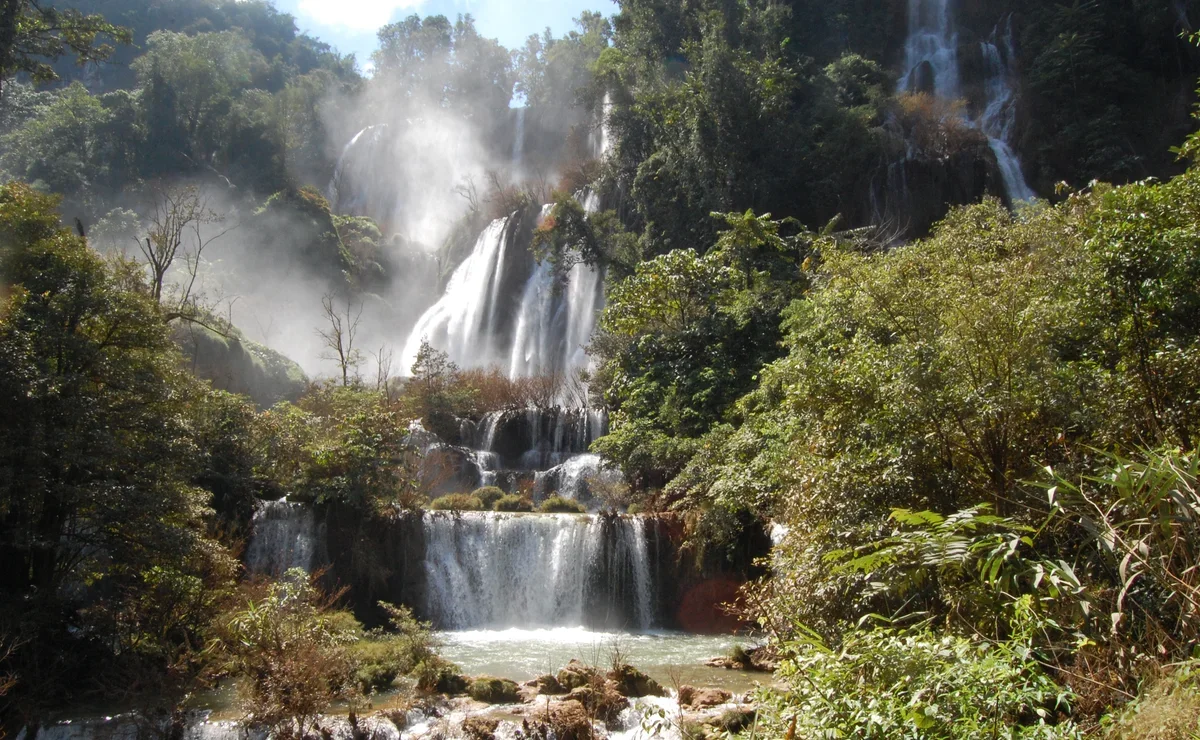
(502,308)
(932,60)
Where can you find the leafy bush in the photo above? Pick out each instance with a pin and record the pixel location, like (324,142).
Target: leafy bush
(383,656)
(437,675)
(488,496)
(291,648)
(557,504)
(888,683)
(493,690)
(456,502)
(513,502)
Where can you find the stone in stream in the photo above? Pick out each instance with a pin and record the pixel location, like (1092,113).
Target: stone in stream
(694,698)
(633,683)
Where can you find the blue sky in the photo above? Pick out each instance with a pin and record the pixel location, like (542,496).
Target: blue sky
(350,25)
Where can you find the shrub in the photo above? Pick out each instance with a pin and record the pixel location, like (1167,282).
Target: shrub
(493,690)
(437,675)
(907,684)
(488,496)
(291,646)
(457,502)
(1167,708)
(513,502)
(557,504)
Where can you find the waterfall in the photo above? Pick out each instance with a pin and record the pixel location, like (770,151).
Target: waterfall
(932,47)
(284,536)
(462,322)
(488,570)
(341,199)
(575,478)
(544,336)
(518,150)
(931,55)
(1000,115)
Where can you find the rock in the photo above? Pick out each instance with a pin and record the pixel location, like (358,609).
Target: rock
(569,720)
(694,698)
(736,719)
(577,674)
(491,690)
(603,701)
(480,728)
(548,685)
(633,683)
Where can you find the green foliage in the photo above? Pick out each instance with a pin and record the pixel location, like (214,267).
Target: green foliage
(292,650)
(436,62)
(33,36)
(682,338)
(488,496)
(557,504)
(342,445)
(457,502)
(383,656)
(886,683)
(101,524)
(1141,516)
(513,503)
(493,690)
(436,675)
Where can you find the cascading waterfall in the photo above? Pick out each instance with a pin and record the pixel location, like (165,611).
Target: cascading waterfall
(496,570)
(931,54)
(518,151)
(544,336)
(931,51)
(285,536)
(462,322)
(999,118)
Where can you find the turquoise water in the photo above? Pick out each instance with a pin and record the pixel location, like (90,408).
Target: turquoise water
(671,658)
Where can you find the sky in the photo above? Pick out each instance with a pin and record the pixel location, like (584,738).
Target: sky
(350,25)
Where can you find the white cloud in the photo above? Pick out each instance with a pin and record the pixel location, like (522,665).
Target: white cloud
(356,15)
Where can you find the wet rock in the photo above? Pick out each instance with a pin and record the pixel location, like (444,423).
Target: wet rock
(491,690)
(576,674)
(603,701)
(548,685)
(633,683)
(480,728)
(699,698)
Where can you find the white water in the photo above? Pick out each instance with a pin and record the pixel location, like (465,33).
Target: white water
(999,118)
(573,478)
(486,570)
(461,322)
(933,41)
(545,336)
(284,536)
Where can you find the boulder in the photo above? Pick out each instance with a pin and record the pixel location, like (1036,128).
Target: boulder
(633,683)
(548,685)
(700,698)
(603,702)
(576,674)
(569,721)
(480,727)
(491,690)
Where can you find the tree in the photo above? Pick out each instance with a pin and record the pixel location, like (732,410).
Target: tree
(339,336)
(180,218)
(96,469)
(32,36)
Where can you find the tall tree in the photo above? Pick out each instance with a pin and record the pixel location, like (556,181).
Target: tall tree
(32,36)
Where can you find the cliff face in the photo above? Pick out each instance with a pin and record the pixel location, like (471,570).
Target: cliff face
(237,365)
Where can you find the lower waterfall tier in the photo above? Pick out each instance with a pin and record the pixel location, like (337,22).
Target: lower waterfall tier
(478,570)
(497,570)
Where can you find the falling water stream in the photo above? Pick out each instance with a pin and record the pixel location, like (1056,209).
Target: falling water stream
(931,56)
